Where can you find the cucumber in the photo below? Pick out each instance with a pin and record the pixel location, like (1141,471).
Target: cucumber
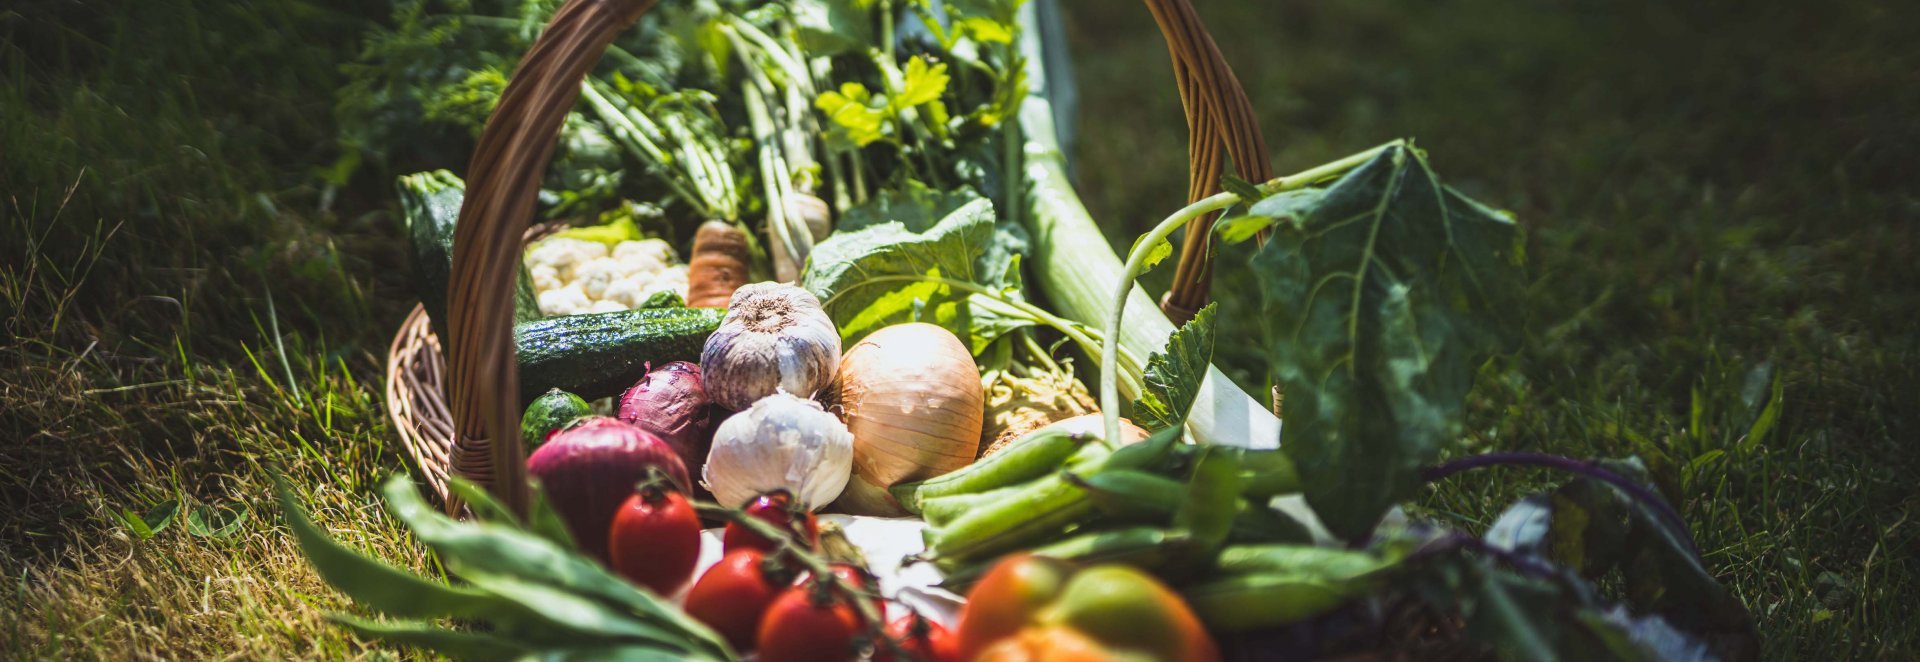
(551,411)
(431,204)
(602,354)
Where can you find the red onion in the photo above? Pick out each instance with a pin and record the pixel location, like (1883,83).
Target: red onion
(671,402)
(589,468)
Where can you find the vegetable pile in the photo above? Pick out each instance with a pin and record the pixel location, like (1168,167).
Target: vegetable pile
(871,205)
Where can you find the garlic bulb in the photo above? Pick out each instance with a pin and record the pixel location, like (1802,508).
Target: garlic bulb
(774,338)
(910,393)
(782,441)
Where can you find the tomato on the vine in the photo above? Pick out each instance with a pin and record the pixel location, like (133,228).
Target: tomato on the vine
(779,509)
(654,540)
(921,640)
(809,623)
(733,596)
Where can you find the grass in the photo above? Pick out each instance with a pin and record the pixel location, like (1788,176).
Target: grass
(1714,193)
(1716,202)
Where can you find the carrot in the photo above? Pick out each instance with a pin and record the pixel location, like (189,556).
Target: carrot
(718,266)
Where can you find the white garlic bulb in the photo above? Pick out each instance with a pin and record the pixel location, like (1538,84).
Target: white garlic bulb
(775,337)
(782,441)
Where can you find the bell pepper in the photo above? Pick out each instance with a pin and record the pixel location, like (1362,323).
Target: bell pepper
(1037,609)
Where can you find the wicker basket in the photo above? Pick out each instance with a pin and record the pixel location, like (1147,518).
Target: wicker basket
(454,400)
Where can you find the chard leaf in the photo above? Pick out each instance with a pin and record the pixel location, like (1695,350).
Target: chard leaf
(914,205)
(1173,375)
(1382,297)
(963,246)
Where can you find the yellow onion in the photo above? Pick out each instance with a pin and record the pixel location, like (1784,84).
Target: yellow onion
(910,394)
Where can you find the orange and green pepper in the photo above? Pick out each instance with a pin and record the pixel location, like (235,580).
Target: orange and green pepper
(1037,609)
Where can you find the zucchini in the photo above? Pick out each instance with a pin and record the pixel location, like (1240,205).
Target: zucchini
(602,354)
(551,411)
(430,202)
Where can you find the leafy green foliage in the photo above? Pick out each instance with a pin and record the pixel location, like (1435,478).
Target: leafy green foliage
(1597,530)
(1173,376)
(964,246)
(536,594)
(1383,293)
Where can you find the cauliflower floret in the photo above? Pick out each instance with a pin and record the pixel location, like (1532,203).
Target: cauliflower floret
(673,279)
(656,249)
(596,275)
(546,278)
(569,300)
(606,307)
(631,291)
(564,254)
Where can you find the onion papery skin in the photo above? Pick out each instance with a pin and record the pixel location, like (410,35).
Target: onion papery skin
(910,394)
(671,403)
(588,469)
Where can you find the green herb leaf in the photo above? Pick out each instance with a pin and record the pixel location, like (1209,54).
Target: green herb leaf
(210,522)
(1381,301)
(155,521)
(855,113)
(919,84)
(1173,376)
(1155,254)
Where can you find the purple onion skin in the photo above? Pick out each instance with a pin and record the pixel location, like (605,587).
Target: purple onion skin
(671,402)
(589,468)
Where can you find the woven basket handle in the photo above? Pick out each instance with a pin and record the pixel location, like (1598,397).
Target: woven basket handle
(1219,116)
(503,181)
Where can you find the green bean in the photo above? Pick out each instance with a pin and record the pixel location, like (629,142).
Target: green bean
(1038,510)
(1027,458)
(940,511)
(1143,547)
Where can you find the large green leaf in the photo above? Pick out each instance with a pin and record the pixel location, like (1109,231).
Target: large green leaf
(962,246)
(1383,293)
(507,559)
(1173,376)
(385,588)
(456,644)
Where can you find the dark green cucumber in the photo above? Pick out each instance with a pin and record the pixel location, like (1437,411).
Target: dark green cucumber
(602,354)
(431,203)
(551,411)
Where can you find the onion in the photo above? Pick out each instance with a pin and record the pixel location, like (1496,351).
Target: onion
(590,468)
(671,403)
(910,393)
(781,442)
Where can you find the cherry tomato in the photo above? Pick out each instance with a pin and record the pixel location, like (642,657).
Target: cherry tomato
(858,578)
(922,640)
(733,595)
(809,623)
(655,540)
(776,508)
